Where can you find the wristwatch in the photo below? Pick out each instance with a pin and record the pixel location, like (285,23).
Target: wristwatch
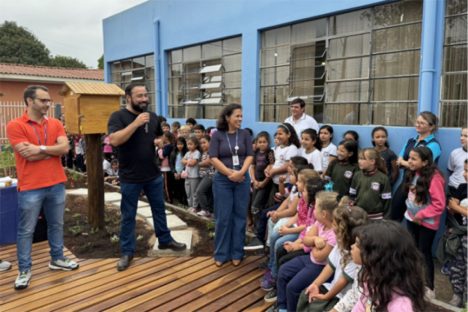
(43,148)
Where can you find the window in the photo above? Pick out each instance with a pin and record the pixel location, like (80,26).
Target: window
(453,97)
(203,78)
(360,67)
(139,69)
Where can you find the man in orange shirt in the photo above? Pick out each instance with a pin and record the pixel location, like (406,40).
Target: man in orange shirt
(39,142)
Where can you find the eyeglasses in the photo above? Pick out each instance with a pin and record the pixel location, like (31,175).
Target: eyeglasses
(44,101)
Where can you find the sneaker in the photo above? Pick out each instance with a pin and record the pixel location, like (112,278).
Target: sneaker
(64,264)
(4,265)
(273,308)
(23,279)
(456,301)
(429,294)
(270,296)
(203,213)
(192,210)
(268,282)
(255,244)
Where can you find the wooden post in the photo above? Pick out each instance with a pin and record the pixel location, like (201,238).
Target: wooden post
(95,180)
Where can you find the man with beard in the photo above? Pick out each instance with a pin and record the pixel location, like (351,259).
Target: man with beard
(134,132)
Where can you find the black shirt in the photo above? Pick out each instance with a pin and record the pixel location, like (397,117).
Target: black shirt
(137,156)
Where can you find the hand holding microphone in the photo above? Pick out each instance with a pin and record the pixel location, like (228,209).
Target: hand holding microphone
(147,119)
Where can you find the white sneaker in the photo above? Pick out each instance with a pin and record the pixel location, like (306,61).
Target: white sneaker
(23,279)
(64,264)
(4,265)
(203,213)
(429,294)
(455,301)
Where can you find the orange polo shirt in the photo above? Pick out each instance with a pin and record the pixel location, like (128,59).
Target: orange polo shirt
(40,173)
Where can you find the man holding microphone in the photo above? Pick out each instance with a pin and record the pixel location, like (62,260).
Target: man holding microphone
(134,132)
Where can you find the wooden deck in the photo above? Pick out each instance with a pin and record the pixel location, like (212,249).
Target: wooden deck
(164,284)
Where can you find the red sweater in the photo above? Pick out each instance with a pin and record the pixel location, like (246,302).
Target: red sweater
(430,214)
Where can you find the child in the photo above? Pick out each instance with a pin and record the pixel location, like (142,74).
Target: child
(264,157)
(185,132)
(164,150)
(165,127)
(199,131)
(380,141)
(425,204)
(112,173)
(175,128)
(295,275)
(175,160)
(288,229)
(370,187)
(270,216)
(391,278)
(190,122)
(292,249)
(340,171)
(287,147)
(322,295)
(190,161)
(327,148)
(204,189)
(309,150)
(351,135)
(455,166)
(458,208)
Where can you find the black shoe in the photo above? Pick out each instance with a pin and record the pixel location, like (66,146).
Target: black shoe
(255,244)
(173,245)
(124,262)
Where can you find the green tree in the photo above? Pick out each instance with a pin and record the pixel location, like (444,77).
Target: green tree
(66,61)
(101,62)
(18,45)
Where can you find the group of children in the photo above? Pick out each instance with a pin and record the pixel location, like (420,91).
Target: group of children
(320,209)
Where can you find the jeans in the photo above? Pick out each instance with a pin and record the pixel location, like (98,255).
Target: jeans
(293,277)
(231,200)
(261,222)
(128,207)
(205,193)
(52,199)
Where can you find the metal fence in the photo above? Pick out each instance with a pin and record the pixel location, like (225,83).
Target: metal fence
(13,109)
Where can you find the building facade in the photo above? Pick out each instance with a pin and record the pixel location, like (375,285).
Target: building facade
(357,64)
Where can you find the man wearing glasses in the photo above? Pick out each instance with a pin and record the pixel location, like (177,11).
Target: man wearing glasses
(39,142)
(134,132)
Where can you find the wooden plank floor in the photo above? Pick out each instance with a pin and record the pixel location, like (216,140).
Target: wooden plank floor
(163,284)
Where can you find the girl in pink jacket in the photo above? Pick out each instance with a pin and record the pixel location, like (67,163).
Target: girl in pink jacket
(424,205)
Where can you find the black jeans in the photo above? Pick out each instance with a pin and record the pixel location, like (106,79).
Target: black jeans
(424,238)
(261,221)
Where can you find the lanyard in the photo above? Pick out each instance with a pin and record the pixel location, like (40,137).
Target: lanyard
(236,148)
(37,133)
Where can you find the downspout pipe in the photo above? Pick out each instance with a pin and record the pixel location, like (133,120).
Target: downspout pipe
(160,108)
(427,65)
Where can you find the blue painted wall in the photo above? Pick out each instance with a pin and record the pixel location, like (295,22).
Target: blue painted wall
(187,22)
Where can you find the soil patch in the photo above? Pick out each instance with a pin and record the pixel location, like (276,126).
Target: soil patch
(86,242)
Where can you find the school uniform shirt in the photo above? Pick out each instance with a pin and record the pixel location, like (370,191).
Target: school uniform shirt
(430,212)
(328,235)
(314,158)
(341,174)
(282,155)
(261,161)
(328,151)
(373,193)
(456,164)
(349,271)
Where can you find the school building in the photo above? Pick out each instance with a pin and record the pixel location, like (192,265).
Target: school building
(357,64)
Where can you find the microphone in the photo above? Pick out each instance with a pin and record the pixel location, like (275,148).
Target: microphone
(146,125)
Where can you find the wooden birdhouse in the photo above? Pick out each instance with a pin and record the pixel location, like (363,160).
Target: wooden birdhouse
(88,106)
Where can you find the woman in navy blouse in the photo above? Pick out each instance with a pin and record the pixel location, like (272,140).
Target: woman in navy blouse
(231,154)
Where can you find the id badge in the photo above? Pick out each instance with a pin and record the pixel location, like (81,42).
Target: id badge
(235,160)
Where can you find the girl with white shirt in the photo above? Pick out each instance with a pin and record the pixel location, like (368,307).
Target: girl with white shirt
(327,148)
(309,150)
